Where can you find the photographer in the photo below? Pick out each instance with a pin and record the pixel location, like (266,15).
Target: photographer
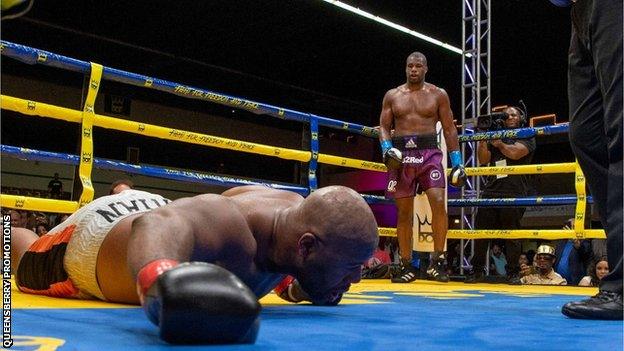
(501,153)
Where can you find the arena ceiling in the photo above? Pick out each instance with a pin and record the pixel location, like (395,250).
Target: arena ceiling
(339,64)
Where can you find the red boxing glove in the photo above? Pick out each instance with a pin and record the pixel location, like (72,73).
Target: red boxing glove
(150,272)
(290,290)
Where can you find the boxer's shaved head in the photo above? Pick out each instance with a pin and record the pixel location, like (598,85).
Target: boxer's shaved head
(339,233)
(339,213)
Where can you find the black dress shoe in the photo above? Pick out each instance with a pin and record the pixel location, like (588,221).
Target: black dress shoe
(605,305)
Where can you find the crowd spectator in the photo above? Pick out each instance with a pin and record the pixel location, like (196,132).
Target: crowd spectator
(41,229)
(55,187)
(17,219)
(60,218)
(597,270)
(500,153)
(545,274)
(525,264)
(497,266)
(379,266)
(454,258)
(573,257)
(120,185)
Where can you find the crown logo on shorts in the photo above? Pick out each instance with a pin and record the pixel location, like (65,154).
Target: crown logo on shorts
(410,144)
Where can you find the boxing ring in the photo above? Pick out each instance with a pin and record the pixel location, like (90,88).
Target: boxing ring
(373,315)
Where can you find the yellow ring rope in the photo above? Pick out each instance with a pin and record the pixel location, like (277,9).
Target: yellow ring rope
(86,146)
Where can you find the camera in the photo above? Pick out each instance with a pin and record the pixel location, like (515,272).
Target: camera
(492,121)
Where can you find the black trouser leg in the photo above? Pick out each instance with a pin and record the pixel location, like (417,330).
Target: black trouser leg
(595,94)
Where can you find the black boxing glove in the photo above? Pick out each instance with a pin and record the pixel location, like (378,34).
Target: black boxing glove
(197,302)
(392,157)
(457,177)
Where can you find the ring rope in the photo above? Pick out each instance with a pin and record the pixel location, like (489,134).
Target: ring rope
(211,179)
(152,171)
(33,56)
(519,133)
(38,204)
(547,168)
(86,145)
(48,205)
(34,108)
(546,234)
(500,202)
(36,56)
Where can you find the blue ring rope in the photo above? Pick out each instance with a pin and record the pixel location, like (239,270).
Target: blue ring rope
(519,133)
(35,56)
(211,179)
(152,171)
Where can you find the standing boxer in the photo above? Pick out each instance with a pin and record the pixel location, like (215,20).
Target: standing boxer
(414,160)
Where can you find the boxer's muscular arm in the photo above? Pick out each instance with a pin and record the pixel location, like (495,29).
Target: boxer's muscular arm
(174,231)
(242,189)
(446,119)
(386,118)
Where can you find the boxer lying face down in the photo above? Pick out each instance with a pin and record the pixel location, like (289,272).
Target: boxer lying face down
(198,265)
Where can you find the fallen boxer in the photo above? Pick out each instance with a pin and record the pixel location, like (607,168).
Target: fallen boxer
(198,265)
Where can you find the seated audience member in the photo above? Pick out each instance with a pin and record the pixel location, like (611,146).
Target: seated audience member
(545,275)
(60,218)
(42,229)
(526,266)
(498,261)
(379,266)
(573,256)
(597,270)
(120,185)
(379,257)
(455,262)
(18,219)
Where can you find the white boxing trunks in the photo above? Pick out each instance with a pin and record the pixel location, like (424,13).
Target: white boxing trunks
(92,223)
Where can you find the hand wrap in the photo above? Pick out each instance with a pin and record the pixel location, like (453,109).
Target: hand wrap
(457,177)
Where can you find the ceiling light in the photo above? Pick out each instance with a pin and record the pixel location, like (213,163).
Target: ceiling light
(395,26)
